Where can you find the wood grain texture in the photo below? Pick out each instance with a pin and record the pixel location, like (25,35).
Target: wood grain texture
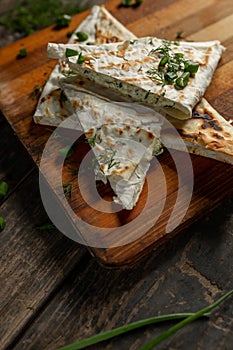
(190,273)
(34,263)
(199,20)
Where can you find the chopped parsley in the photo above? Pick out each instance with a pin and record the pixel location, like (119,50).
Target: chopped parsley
(46,227)
(128,3)
(70,52)
(66,151)
(37,89)
(81,36)
(108,158)
(62,97)
(81,58)
(173,68)
(2,223)
(22,53)
(67,187)
(63,21)
(4,187)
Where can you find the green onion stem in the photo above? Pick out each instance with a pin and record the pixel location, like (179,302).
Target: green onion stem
(123,329)
(181,324)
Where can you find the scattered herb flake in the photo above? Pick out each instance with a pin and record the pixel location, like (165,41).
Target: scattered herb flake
(2,223)
(69,34)
(67,187)
(36,92)
(22,53)
(46,227)
(66,151)
(179,35)
(126,3)
(63,21)
(70,52)
(81,58)
(63,97)
(81,36)
(4,187)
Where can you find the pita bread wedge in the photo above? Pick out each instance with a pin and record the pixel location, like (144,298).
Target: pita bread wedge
(124,137)
(158,73)
(207,133)
(100,27)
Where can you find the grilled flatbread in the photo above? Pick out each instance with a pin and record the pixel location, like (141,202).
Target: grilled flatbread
(207,133)
(124,137)
(133,68)
(80,99)
(101,27)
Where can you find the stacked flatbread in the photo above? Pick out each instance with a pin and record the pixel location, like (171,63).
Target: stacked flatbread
(116,70)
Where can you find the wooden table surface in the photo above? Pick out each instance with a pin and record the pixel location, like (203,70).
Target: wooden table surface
(54,292)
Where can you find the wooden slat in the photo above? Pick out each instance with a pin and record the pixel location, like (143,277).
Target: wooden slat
(177,279)
(33,263)
(198,19)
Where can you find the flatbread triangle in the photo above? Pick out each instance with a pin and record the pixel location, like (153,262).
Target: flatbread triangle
(206,133)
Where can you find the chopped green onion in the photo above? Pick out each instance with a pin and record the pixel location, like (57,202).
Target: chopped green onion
(182,81)
(63,97)
(63,21)
(2,223)
(70,52)
(191,67)
(163,61)
(4,187)
(46,227)
(170,77)
(69,34)
(126,2)
(22,53)
(81,36)
(81,58)
(66,151)
(67,187)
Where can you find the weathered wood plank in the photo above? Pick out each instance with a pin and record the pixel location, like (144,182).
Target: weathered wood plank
(191,272)
(33,263)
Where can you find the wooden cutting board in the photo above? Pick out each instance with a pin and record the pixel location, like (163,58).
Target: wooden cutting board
(213,181)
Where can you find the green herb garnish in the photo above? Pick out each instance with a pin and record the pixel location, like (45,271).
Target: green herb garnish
(67,187)
(46,227)
(182,81)
(128,3)
(81,36)
(63,21)
(4,187)
(66,151)
(173,68)
(2,223)
(108,158)
(63,97)
(70,52)
(22,53)
(37,89)
(179,35)
(69,34)
(81,58)
(186,318)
